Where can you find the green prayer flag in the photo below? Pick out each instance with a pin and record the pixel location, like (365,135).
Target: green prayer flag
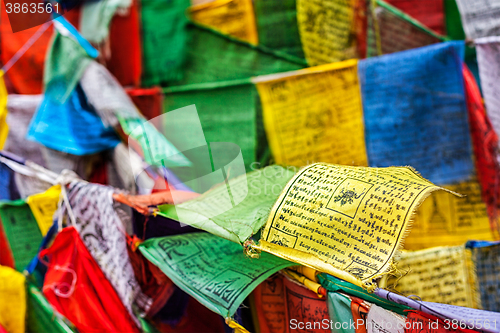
(454,28)
(228,112)
(339,310)
(21,230)
(213,270)
(236,210)
(215,57)
(333,284)
(277,26)
(40,315)
(164,40)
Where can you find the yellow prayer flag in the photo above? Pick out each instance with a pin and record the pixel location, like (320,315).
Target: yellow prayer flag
(43,207)
(12,300)
(327,30)
(345,221)
(232,17)
(314,115)
(4,128)
(451,220)
(440,274)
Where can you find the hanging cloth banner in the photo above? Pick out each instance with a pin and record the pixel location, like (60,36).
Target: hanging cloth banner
(43,206)
(12,300)
(408,123)
(345,221)
(213,270)
(396,31)
(326,30)
(22,231)
(442,274)
(480,18)
(302,123)
(429,12)
(233,17)
(77,288)
(235,211)
(4,127)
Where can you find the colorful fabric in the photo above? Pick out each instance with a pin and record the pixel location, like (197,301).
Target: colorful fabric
(4,127)
(21,230)
(41,316)
(96,16)
(238,214)
(339,310)
(213,57)
(326,30)
(72,127)
(302,124)
(77,288)
(480,18)
(234,17)
(217,273)
(440,274)
(380,320)
(305,310)
(429,12)
(485,141)
(277,26)
(408,123)
(103,233)
(12,300)
(268,305)
(486,261)
(396,31)
(300,225)
(21,110)
(43,206)
(68,56)
(165,40)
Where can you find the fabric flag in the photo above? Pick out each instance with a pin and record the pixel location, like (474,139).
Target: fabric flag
(77,288)
(380,320)
(21,110)
(488,59)
(164,40)
(268,305)
(486,259)
(421,322)
(41,316)
(353,227)
(277,26)
(235,210)
(441,274)
(213,270)
(12,300)
(72,127)
(22,231)
(420,119)
(302,124)
(485,142)
(307,308)
(115,108)
(26,75)
(103,233)
(359,310)
(96,17)
(397,31)
(429,12)
(4,127)
(480,18)
(68,56)
(327,30)
(213,57)
(339,310)
(234,17)
(43,206)
(451,221)
(334,285)
(485,321)
(226,113)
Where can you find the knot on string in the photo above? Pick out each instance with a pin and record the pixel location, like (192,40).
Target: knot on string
(250,249)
